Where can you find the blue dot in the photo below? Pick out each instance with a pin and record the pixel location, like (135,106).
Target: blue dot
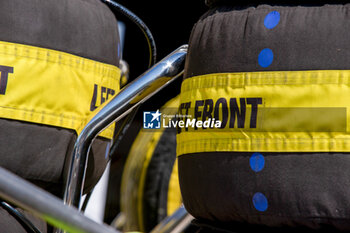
(260,202)
(257,162)
(265,57)
(272,19)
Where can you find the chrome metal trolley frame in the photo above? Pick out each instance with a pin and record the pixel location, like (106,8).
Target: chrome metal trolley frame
(65,214)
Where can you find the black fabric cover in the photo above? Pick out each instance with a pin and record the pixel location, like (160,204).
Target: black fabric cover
(229,39)
(86,28)
(308,190)
(214,3)
(302,189)
(38,153)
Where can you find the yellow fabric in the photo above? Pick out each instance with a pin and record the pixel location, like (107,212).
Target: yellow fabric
(53,88)
(297,111)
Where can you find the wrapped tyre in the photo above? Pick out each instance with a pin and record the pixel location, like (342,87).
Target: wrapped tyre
(150,187)
(277,77)
(59,61)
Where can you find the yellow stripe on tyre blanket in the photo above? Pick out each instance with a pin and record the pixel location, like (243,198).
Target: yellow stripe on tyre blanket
(266,111)
(53,88)
(150,185)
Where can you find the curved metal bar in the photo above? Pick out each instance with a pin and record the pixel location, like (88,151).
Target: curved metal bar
(50,208)
(126,100)
(175,223)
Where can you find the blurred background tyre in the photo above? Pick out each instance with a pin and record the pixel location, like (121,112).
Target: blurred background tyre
(150,186)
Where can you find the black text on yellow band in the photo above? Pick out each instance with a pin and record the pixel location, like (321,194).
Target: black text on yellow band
(54,88)
(267,111)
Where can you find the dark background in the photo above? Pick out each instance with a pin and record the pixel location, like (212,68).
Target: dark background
(170,23)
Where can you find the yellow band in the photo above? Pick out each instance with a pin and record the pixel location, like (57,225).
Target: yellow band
(287,111)
(53,88)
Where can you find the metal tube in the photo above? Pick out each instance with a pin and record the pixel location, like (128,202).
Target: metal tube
(50,208)
(127,99)
(175,223)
